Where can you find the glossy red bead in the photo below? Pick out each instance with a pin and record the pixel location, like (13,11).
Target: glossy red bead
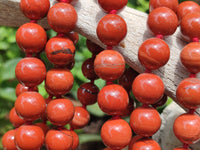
(15,119)
(43,126)
(62,17)
(30,105)
(109,65)
(60,51)
(111,29)
(109,5)
(187,93)
(30,71)
(145,121)
(133,140)
(59,81)
(187,128)
(74,36)
(35,9)
(75,140)
(60,111)
(148,88)
(181,148)
(87,93)
(187,7)
(190,26)
(93,48)
(116,134)
(162,21)
(8,140)
(31,38)
(29,137)
(153,53)
(80,119)
(112,99)
(21,88)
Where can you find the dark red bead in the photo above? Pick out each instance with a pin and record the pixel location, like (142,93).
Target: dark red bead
(74,36)
(22,88)
(93,48)
(161,102)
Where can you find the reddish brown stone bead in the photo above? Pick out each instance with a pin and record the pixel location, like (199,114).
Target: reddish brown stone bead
(59,81)
(15,119)
(126,112)
(133,140)
(148,88)
(8,140)
(88,69)
(109,5)
(172,4)
(75,140)
(109,65)
(161,102)
(21,88)
(62,17)
(181,148)
(87,93)
(116,134)
(187,7)
(31,38)
(190,57)
(145,121)
(74,36)
(188,92)
(30,71)
(187,128)
(111,29)
(113,99)
(153,53)
(190,26)
(162,21)
(93,48)
(35,9)
(60,51)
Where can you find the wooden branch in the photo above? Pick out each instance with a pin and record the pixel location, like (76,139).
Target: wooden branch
(89,15)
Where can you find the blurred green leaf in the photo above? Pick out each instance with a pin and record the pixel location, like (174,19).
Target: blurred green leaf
(8,94)
(84,138)
(95,110)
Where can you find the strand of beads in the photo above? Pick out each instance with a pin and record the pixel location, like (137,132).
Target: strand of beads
(148,88)
(187,126)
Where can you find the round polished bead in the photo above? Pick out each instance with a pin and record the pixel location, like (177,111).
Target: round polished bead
(30,71)
(116,134)
(109,65)
(35,9)
(145,121)
(75,140)
(187,128)
(87,93)
(59,81)
(133,140)
(74,36)
(15,119)
(60,51)
(111,29)
(22,88)
(181,148)
(153,53)
(113,99)
(29,137)
(162,21)
(148,88)
(31,38)
(62,17)
(8,140)
(190,57)
(93,48)
(188,92)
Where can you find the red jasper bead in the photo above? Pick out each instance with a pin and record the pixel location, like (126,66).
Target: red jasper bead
(145,121)
(43,126)
(60,51)
(87,93)
(75,140)
(148,88)
(109,5)
(60,111)
(172,4)
(133,140)
(35,9)
(30,71)
(116,134)
(111,29)
(154,53)
(113,99)
(31,38)
(70,65)
(80,119)
(187,7)
(146,144)
(74,36)
(126,112)
(187,93)
(58,140)
(59,81)
(15,119)
(181,148)
(29,137)
(88,69)
(162,21)
(190,57)
(62,17)
(190,26)
(187,128)
(21,88)
(161,102)
(93,48)
(8,140)
(109,65)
